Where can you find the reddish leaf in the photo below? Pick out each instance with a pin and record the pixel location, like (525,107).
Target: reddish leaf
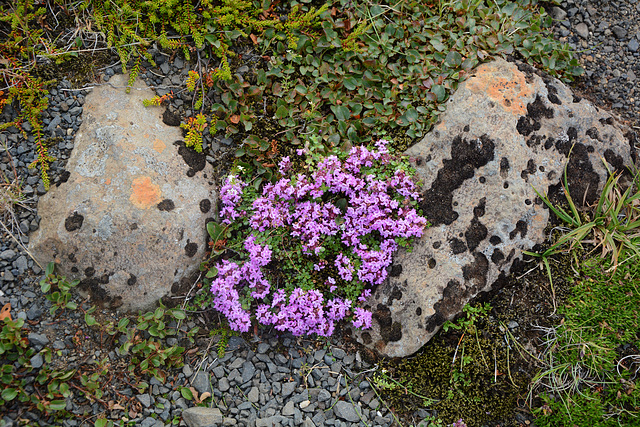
(253,38)
(235,119)
(5,313)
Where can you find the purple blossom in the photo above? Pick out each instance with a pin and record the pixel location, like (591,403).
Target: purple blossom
(311,208)
(361,318)
(285,165)
(230,196)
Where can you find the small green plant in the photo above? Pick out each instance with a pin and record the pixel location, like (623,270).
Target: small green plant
(194,127)
(20,379)
(143,341)
(225,333)
(61,296)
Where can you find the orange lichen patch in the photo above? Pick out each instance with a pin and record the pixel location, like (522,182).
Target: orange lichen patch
(107,181)
(159,146)
(144,193)
(509,91)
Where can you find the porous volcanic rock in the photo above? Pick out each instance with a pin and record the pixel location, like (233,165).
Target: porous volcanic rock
(506,131)
(128,221)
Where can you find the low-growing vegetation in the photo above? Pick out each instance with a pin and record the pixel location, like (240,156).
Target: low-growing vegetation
(326,79)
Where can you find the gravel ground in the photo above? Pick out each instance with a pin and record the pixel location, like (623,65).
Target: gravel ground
(272,381)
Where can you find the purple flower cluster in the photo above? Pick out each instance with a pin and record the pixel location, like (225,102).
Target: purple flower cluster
(231,276)
(307,207)
(304,312)
(231,196)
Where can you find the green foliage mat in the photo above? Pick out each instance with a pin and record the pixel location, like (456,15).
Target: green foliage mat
(596,350)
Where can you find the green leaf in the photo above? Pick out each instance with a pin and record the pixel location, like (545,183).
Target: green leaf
(213,272)
(89,319)
(439,91)
(178,314)
(102,422)
(282,112)
(9,394)
(45,286)
(437,44)
(215,230)
(186,393)
(50,267)
(350,83)
(342,113)
(453,59)
(57,405)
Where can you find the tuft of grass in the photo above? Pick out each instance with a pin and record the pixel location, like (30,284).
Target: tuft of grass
(592,359)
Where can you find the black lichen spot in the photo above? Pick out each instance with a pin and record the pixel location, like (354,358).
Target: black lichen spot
(505,185)
(396,270)
(521,227)
(475,234)
(98,294)
(482,180)
(535,140)
(453,297)
(536,110)
(396,293)
(133,226)
(457,246)
(74,269)
(582,179)
(615,160)
(549,143)
(530,170)
(366,338)
(104,279)
(607,121)
(593,133)
(72,258)
(166,205)
(170,119)
(390,331)
(190,248)
(552,95)
(73,222)
(504,167)
(466,157)
(466,128)
(497,256)
(205,205)
(431,263)
(64,177)
(418,311)
(495,240)
(576,99)
(196,161)
(436,245)
(132,280)
(527,202)
(572,133)
(476,272)
(89,271)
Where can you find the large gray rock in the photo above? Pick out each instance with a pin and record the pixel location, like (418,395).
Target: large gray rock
(506,131)
(130,220)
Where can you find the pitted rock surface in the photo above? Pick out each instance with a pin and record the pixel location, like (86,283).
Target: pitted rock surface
(506,131)
(129,221)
